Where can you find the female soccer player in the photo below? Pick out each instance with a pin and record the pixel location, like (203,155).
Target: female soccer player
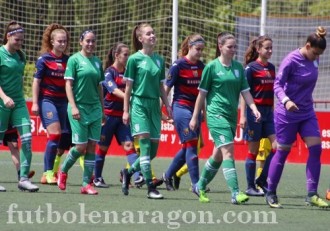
(83,75)
(294,113)
(185,75)
(222,82)
(49,99)
(114,87)
(260,75)
(13,108)
(145,74)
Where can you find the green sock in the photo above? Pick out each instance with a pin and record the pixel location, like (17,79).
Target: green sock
(230,175)
(89,164)
(25,152)
(153,149)
(57,163)
(209,171)
(145,159)
(70,159)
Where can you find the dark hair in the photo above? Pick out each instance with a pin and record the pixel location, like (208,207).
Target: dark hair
(12,28)
(221,39)
(189,41)
(48,35)
(117,48)
(317,39)
(136,33)
(83,34)
(251,53)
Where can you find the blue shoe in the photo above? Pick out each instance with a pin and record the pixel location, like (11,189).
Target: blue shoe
(253,192)
(272,201)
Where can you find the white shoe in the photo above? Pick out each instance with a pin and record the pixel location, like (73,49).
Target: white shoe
(27,185)
(2,189)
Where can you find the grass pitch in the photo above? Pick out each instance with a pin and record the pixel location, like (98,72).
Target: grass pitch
(51,209)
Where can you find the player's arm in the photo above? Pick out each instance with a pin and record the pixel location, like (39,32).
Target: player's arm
(127,96)
(8,102)
(250,102)
(35,96)
(69,93)
(242,117)
(198,107)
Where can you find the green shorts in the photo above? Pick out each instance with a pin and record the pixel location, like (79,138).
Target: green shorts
(145,117)
(221,130)
(89,125)
(17,116)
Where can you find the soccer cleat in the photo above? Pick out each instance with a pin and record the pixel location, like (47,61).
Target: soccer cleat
(157,182)
(154,194)
(176,181)
(125,181)
(316,201)
(100,183)
(50,179)
(254,192)
(139,181)
(43,179)
(2,189)
(272,201)
(201,194)
(89,190)
(61,180)
(26,185)
(327,196)
(262,184)
(168,183)
(239,198)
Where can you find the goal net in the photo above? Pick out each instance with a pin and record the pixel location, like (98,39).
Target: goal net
(287,22)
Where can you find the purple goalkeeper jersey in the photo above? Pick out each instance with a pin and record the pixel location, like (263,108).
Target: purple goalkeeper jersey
(296,79)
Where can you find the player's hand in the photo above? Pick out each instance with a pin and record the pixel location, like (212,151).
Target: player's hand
(75,113)
(35,109)
(9,103)
(193,124)
(126,118)
(291,106)
(169,112)
(257,115)
(242,122)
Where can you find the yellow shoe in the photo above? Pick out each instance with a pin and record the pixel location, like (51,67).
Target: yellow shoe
(316,201)
(50,178)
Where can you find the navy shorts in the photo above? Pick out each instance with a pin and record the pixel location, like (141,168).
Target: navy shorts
(114,126)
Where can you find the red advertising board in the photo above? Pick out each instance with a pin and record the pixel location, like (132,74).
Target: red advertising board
(169,141)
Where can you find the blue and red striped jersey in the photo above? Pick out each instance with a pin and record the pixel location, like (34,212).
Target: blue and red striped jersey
(50,69)
(113,105)
(261,80)
(185,76)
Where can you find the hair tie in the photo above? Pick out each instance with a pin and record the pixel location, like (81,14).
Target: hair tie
(19,30)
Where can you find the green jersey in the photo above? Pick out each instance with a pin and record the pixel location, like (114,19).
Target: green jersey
(87,74)
(223,86)
(147,73)
(11,74)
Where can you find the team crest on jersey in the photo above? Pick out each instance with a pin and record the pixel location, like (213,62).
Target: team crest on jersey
(267,73)
(236,72)
(186,131)
(137,127)
(76,137)
(110,84)
(195,73)
(250,133)
(222,138)
(97,64)
(158,63)
(315,63)
(49,115)
(59,66)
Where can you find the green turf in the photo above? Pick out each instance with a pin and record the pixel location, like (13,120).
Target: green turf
(180,210)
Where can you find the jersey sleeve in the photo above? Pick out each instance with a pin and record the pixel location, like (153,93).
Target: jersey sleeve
(40,68)
(281,79)
(206,80)
(172,75)
(130,69)
(162,71)
(244,83)
(70,72)
(109,83)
